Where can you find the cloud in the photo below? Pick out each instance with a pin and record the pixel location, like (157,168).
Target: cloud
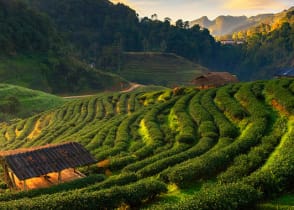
(254,4)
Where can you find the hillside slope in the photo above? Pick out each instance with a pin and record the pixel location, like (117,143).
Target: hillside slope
(225,148)
(159,69)
(33,54)
(19,102)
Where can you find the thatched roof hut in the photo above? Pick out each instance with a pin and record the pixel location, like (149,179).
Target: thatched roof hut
(214,79)
(39,161)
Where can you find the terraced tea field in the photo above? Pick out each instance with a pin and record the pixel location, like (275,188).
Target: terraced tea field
(225,148)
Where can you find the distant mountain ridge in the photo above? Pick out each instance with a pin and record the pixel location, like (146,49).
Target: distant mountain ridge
(228,25)
(223,25)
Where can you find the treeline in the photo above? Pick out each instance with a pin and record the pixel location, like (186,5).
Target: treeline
(100,31)
(264,53)
(35,54)
(24,30)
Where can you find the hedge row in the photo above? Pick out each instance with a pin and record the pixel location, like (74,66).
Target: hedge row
(181,121)
(255,106)
(225,127)
(220,197)
(277,175)
(227,103)
(247,163)
(108,106)
(91,109)
(123,137)
(154,134)
(283,95)
(141,164)
(133,195)
(122,104)
(200,148)
(76,184)
(99,110)
(212,162)
(102,133)
(199,113)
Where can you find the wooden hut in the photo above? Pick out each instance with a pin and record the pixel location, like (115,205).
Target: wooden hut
(214,79)
(29,163)
(285,73)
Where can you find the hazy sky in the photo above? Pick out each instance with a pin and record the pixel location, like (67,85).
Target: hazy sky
(193,9)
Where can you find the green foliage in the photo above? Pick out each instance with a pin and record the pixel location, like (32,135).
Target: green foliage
(142,148)
(25,30)
(22,102)
(132,194)
(230,196)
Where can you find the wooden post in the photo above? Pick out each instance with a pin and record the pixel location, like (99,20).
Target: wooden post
(6,175)
(13,180)
(59,177)
(25,185)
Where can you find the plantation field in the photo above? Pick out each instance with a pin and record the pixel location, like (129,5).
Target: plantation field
(225,148)
(170,69)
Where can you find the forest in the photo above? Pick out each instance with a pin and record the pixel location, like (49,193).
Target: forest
(98,32)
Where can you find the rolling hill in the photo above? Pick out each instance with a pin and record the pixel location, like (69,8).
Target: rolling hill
(20,102)
(225,148)
(58,75)
(159,69)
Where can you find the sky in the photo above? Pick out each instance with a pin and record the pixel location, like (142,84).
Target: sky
(194,9)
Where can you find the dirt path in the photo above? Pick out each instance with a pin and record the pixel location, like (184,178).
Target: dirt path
(133,87)
(130,89)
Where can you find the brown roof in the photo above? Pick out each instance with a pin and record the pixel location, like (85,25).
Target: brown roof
(38,161)
(215,79)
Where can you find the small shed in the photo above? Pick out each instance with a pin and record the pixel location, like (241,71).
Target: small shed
(285,73)
(29,163)
(214,79)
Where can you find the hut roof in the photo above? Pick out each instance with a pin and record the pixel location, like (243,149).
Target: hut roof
(285,72)
(215,79)
(38,161)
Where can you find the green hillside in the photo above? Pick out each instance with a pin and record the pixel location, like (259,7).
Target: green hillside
(225,148)
(19,102)
(34,54)
(63,75)
(159,69)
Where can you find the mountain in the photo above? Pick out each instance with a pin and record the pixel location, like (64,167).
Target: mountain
(266,25)
(224,25)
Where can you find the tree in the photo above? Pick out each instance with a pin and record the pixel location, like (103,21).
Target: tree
(180,23)
(186,25)
(167,20)
(154,17)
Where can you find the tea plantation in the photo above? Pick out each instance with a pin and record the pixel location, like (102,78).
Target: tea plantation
(225,148)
